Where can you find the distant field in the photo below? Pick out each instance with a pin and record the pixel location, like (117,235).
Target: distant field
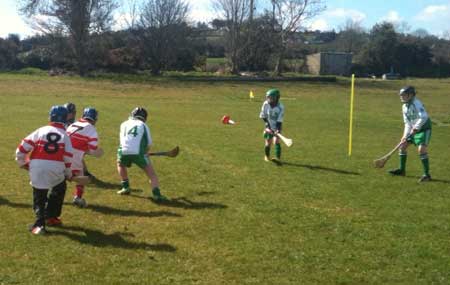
(321,218)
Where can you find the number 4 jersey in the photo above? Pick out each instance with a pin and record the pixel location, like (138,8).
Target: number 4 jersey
(135,137)
(48,154)
(84,138)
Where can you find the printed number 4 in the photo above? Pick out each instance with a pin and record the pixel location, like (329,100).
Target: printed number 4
(133,131)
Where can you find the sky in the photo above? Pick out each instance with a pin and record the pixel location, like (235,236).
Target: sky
(431,15)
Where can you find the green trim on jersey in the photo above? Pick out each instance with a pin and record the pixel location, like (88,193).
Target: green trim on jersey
(426,126)
(144,142)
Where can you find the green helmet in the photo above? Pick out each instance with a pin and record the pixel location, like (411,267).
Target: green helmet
(273,95)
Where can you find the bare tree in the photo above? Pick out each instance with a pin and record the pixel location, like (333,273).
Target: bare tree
(289,17)
(76,19)
(164,30)
(351,36)
(235,13)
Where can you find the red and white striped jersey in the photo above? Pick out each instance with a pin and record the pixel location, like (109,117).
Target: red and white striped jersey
(84,138)
(48,154)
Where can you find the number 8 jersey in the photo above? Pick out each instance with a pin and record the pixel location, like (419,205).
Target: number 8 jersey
(50,155)
(135,137)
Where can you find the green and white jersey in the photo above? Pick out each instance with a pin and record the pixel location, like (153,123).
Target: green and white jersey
(273,115)
(415,116)
(135,137)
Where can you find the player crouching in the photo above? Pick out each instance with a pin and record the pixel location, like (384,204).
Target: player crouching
(84,138)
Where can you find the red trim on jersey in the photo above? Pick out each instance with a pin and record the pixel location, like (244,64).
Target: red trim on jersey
(68,165)
(30,142)
(92,140)
(22,149)
(58,125)
(40,153)
(69,154)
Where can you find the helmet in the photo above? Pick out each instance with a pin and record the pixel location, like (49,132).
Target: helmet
(58,114)
(406,93)
(273,95)
(90,113)
(71,108)
(139,113)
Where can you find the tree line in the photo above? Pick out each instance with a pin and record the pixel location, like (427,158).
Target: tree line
(258,36)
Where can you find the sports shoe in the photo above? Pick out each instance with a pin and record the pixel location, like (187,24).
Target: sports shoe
(79,202)
(160,198)
(38,230)
(124,191)
(397,172)
(266,158)
(53,222)
(425,178)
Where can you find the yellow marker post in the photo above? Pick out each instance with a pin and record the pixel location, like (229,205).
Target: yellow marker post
(251,94)
(350,134)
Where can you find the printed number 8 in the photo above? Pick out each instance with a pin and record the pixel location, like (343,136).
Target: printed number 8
(52,143)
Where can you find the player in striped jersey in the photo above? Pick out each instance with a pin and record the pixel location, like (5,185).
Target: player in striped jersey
(47,154)
(135,142)
(84,138)
(272,113)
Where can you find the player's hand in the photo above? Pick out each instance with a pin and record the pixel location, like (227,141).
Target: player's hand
(277,132)
(26,166)
(268,131)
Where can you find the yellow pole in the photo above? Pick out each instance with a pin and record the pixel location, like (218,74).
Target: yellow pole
(350,134)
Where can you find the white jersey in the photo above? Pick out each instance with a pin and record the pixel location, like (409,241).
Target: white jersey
(273,115)
(135,137)
(415,116)
(84,138)
(50,155)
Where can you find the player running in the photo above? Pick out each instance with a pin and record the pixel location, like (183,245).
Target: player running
(84,138)
(135,142)
(47,154)
(272,113)
(417,131)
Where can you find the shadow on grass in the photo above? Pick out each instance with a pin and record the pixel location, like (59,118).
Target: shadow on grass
(432,179)
(185,203)
(105,185)
(100,239)
(317,167)
(127,213)
(6,202)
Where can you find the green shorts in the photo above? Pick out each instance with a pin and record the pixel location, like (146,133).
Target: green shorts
(421,138)
(268,136)
(128,159)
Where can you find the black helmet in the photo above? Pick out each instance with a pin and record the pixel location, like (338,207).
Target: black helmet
(71,108)
(407,90)
(139,113)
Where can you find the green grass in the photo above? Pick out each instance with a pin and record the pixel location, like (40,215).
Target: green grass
(321,218)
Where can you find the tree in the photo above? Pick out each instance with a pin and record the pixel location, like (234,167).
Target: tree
(288,18)
(164,33)
(378,55)
(77,19)
(235,13)
(351,37)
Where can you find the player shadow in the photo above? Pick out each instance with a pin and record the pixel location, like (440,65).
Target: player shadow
(99,239)
(105,185)
(317,167)
(185,203)
(6,202)
(432,179)
(128,213)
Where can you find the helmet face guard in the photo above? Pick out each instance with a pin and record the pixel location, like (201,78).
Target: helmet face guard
(71,108)
(407,93)
(139,113)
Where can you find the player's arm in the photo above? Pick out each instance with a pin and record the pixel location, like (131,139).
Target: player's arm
(93,148)
(423,116)
(67,157)
(280,119)
(26,146)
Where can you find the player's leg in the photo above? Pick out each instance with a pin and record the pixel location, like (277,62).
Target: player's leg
(55,204)
(78,199)
(277,148)
(86,171)
(403,155)
(424,140)
(123,161)
(39,202)
(154,182)
(268,138)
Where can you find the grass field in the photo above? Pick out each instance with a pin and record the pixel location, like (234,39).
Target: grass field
(321,218)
